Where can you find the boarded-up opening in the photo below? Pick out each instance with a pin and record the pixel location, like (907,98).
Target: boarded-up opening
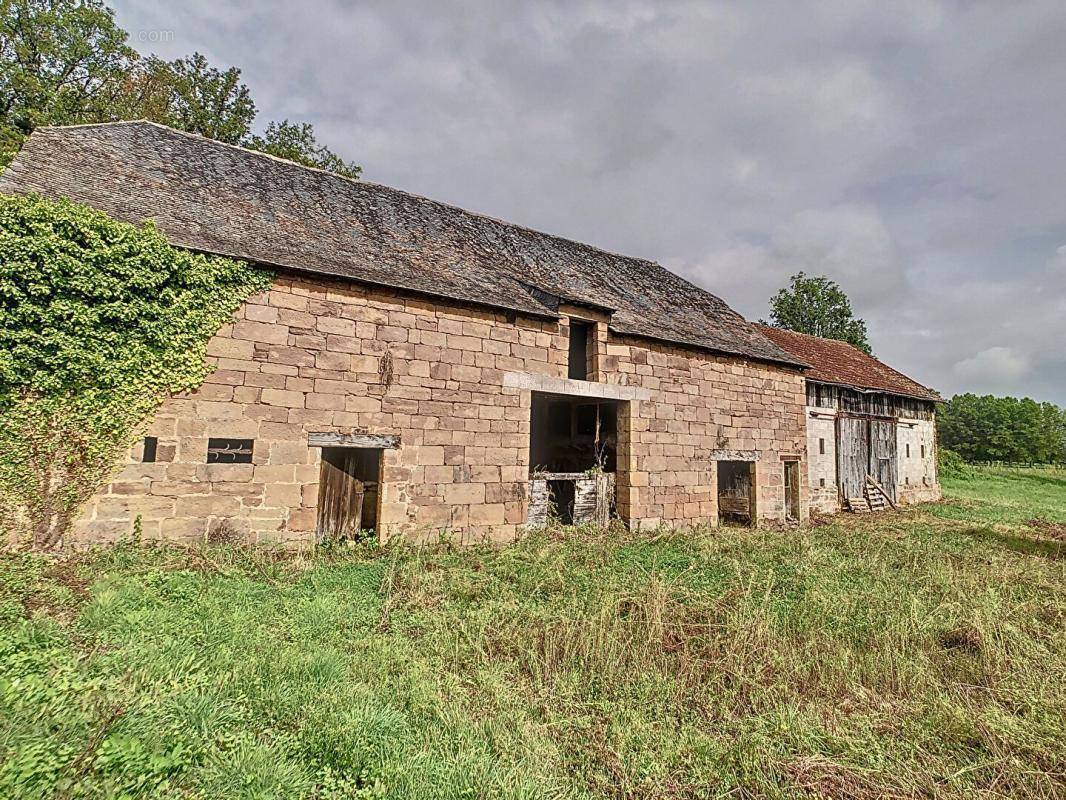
(792,491)
(736,481)
(348,492)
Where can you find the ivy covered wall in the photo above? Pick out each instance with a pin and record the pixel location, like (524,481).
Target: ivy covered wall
(99,322)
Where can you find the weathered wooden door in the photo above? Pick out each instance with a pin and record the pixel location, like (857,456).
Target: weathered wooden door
(853,454)
(340,495)
(883,464)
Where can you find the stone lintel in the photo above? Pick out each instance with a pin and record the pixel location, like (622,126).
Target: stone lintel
(568,386)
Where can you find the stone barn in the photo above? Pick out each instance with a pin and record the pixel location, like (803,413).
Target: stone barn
(871,431)
(418,369)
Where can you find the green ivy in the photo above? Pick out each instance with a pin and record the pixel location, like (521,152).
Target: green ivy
(99,322)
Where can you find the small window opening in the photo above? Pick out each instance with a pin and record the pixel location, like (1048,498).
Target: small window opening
(923,451)
(229,451)
(821,447)
(821,482)
(578,369)
(151,443)
(908,451)
(907,481)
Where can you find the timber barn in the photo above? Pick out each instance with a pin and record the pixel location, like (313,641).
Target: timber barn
(871,431)
(418,369)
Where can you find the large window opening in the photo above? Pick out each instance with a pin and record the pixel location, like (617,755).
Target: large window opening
(736,492)
(580,336)
(348,492)
(573,454)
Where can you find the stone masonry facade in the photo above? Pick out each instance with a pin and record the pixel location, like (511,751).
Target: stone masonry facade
(312,356)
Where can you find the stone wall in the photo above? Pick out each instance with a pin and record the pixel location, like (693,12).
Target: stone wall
(917,475)
(822,466)
(312,356)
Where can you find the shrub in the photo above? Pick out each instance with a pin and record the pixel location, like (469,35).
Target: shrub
(951,465)
(99,321)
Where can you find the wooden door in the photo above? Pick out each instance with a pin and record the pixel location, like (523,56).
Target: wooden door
(853,455)
(340,495)
(883,462)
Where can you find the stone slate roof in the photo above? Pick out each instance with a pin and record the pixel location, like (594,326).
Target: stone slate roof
(843,364)
(226,200)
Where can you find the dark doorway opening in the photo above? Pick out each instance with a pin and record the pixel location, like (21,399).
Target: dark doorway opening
(573,454)
(348,492)
(792,491)
(572,434)
(562,499)
(736,492)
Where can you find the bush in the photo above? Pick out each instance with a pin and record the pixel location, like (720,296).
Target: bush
(99,322)
(951,465)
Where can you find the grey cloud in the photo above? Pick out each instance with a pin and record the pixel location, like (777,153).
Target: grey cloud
(911,150)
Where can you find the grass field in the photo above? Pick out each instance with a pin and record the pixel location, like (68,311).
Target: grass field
(902,655)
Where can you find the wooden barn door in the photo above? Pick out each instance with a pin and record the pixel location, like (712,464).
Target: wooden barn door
(340,495)
(883,465)
(853,455)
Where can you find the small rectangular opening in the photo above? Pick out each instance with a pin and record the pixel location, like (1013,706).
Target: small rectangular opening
(578,364)
(792,493)
(736,481)
(821,447)
(229,451)
(821,482)
(908,451)
(562,500)
(348,490)
(923,451)
(151,443)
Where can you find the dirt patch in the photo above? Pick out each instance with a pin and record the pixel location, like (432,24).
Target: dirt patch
(961,640)
(1048,529)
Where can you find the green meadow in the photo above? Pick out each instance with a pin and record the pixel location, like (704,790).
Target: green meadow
(912,654)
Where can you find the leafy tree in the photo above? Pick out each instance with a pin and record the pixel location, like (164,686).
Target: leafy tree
(65,62)
(193,96)
(988,428)
(61,62)
(818,306)
(296,142)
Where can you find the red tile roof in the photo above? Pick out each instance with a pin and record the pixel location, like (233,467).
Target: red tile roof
(843,364)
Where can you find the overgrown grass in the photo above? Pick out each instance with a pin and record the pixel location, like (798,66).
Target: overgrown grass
(903,655)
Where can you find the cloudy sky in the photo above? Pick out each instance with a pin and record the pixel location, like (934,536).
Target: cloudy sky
(913,151)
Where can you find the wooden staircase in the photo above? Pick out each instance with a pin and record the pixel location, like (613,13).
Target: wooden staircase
(874,498)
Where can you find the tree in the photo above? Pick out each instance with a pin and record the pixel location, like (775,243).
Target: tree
(819,307)
(987,428)
(65,62)
(61,62)
(296,142)
(191,95)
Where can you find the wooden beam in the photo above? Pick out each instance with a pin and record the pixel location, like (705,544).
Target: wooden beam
(369,440)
